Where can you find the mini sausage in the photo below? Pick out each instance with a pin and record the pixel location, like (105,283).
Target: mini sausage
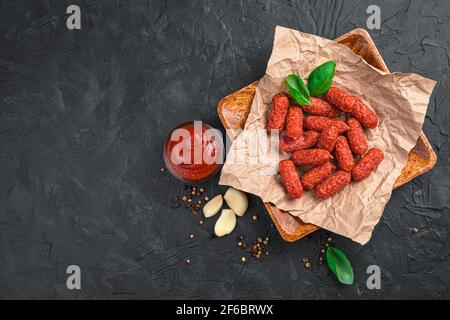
(319,107)
(343,153)
(278,112)
(356,137)
(290,179)
(294,123)
(318,123)
(364,115)
(316,175)
(349,103)
(327,140)
(341,99)
(368,163)
(307,140)
(311,157)
(333,184)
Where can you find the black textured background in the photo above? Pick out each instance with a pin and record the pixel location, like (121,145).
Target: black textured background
(82,119)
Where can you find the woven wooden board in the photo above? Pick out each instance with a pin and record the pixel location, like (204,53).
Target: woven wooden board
(233,111)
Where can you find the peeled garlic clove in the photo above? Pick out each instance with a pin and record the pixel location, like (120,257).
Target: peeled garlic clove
(213,206)
(226,223)
(236,200)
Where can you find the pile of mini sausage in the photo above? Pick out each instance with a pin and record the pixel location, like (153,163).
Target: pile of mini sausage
(319,138)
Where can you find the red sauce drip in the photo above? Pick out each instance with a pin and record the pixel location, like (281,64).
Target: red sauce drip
(192,155)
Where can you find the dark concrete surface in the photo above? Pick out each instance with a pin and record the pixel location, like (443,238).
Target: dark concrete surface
(82,119)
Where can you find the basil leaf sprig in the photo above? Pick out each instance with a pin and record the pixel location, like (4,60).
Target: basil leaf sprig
(298,90)
(339,265)
(320,79)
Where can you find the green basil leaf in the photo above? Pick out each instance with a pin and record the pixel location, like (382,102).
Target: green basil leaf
(320,79)
(298,90)
(339,265)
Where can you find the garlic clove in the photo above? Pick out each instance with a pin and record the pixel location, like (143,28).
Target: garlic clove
(237,201)
(213,206)
(226,223)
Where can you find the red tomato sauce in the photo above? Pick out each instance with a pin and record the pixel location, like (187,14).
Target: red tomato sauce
(193,152)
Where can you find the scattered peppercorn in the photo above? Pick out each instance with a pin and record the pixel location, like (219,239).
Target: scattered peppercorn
(194,204)
(327,243)
(257,248)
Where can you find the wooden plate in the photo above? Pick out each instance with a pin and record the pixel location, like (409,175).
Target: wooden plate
(234,109)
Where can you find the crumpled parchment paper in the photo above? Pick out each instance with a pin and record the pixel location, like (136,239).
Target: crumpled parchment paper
(400,100)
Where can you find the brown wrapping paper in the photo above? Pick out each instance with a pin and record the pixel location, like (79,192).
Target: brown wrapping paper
(400,100)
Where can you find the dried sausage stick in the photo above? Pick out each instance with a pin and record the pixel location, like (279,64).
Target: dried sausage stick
(319,107)
(356,137)
(344,156)
(307,140)
(290,178)
(333,184)
(318,123)
(278,112)
(327,140)
(368,163)
(294,123)
(311,157)
(316,175)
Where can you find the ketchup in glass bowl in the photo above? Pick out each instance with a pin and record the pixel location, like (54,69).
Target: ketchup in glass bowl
(194,151)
